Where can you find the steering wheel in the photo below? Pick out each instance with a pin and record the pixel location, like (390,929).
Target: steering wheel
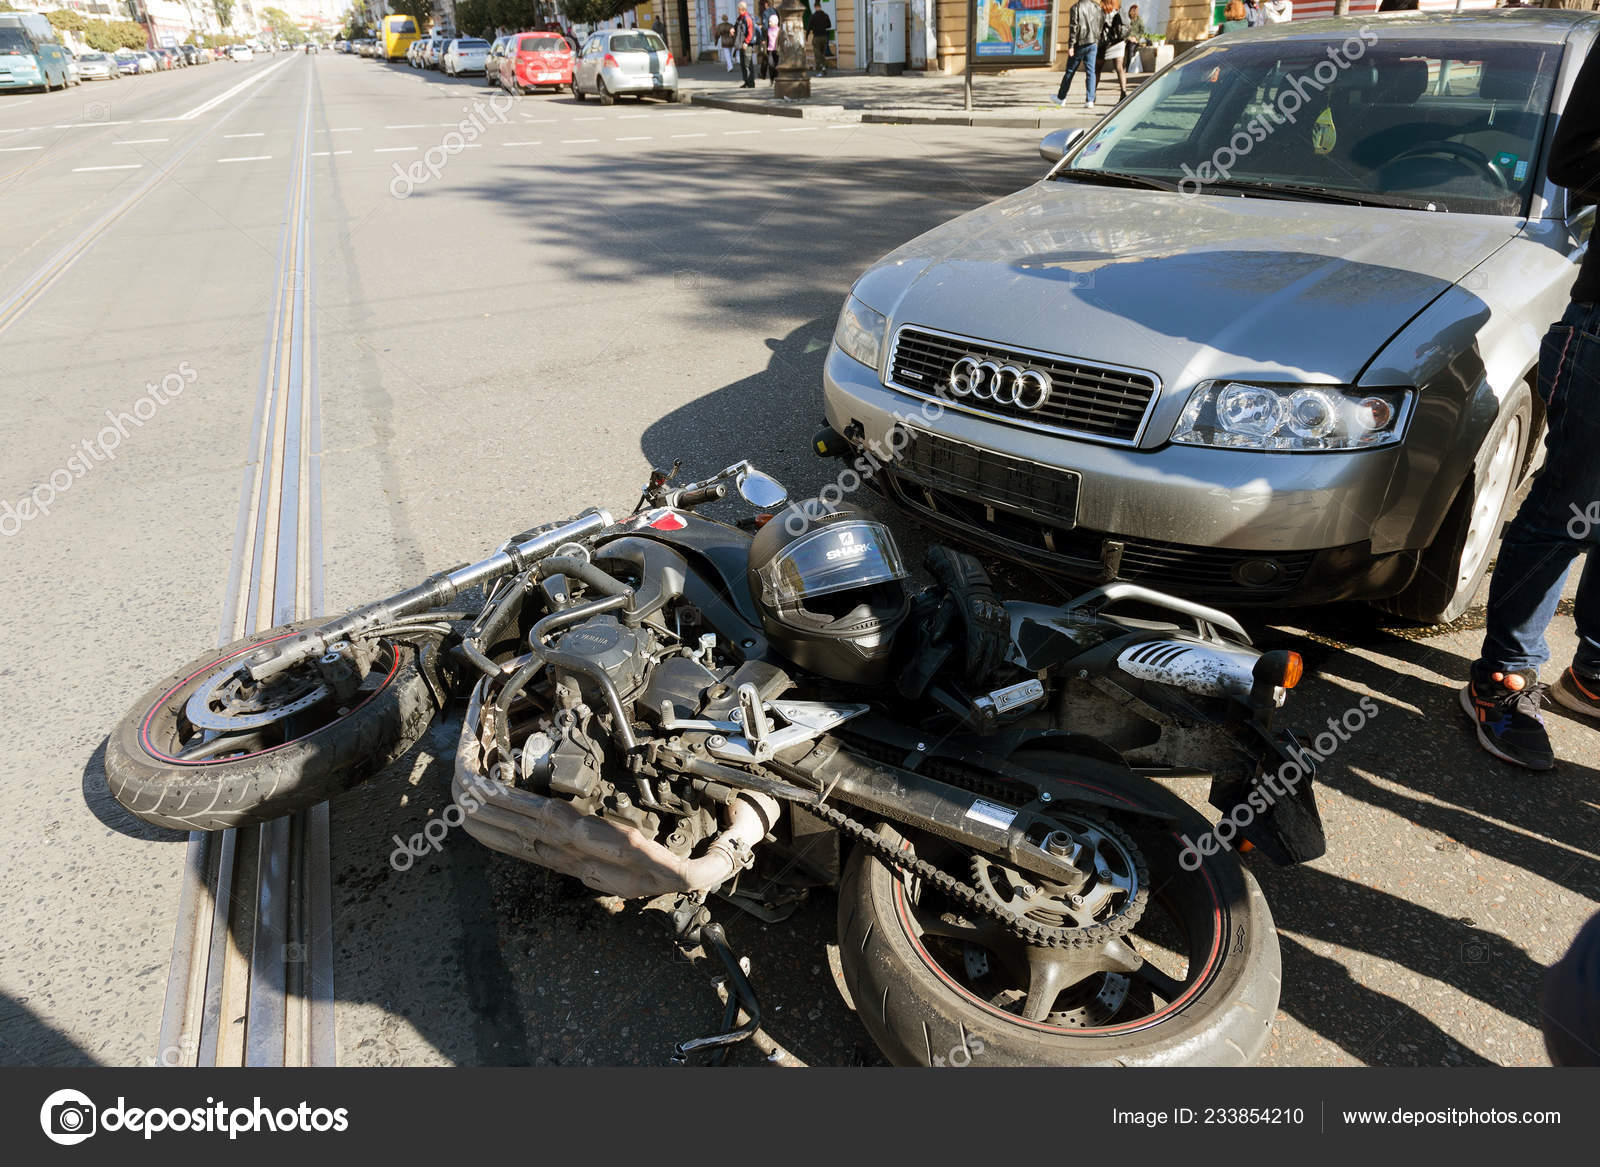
(1457,150)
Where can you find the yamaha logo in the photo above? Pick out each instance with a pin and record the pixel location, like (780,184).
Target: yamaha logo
(984,380)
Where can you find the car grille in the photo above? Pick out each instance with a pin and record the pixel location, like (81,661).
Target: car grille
(1086,399)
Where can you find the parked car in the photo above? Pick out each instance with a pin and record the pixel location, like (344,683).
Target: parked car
(625,61)
(127,63)
(433,52)
(97,67)
(73,76)
(1239,344)
(147,61)
(491,61)
(464,55)
(241,53)
(536,59)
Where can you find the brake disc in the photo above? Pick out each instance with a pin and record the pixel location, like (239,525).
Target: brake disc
(226,704)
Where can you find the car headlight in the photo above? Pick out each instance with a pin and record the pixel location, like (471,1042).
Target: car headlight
(860,332)
(1295,419)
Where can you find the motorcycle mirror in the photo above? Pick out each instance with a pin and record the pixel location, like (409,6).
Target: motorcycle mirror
(761,490)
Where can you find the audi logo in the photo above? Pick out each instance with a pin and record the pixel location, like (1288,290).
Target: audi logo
(1026,389)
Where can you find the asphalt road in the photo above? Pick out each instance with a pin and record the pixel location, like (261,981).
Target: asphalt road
(522,332)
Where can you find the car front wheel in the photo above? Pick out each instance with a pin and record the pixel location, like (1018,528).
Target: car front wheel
(1453,566)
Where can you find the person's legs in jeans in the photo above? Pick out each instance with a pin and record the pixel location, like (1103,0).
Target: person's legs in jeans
(1090,52)
(1555,524)
(747,66)
(1073,59)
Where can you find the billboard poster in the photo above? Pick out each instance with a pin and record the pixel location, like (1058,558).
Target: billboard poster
(1012,31)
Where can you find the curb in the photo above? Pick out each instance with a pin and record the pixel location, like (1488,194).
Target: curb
(1044,120)
(816,112)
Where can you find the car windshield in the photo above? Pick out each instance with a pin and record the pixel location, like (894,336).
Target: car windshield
(472,45)
(637,42)
(542,44)
(13,41)
(92,57)
(1442,124)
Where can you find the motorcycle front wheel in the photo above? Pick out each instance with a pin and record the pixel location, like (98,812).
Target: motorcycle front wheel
(200,752)
(1194,982)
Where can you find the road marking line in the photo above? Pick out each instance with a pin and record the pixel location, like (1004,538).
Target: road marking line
(688,135)
(846,126)
(139,141)
(640,138)
(86,125)
(522,143)
(15,149)
(127,166)
(796,129)
(626,116)
(577,141)
(393,149)
(409,126)
(590,118)
(208,106)
(257,134)
(248,158)
(730,133)
(329,153)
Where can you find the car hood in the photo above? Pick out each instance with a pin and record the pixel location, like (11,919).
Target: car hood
(1189,287)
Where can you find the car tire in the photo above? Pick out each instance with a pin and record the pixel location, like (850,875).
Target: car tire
(1445,583)
(605,95)
(576,92)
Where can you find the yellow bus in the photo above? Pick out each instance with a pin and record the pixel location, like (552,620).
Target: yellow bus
(399,34)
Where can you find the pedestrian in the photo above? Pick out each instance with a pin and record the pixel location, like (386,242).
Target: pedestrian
(820,25)
(771,46)
(1278,11)
(724,38)
(744,39)
(1138,38)
(657,27)
(1084,22)
(1253,14)
(1560,518)
(1234,17)
(1114,43)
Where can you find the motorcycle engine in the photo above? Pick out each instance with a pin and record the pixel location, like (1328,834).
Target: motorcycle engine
(621,653)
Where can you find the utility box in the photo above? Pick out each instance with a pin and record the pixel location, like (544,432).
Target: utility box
(888,37)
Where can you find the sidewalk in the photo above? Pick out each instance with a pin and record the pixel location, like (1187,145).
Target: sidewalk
(1022,98)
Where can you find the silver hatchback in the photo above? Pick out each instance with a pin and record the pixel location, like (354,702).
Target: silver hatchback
(1268,333)
(625,61)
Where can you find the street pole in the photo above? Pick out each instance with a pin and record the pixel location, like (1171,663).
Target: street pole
(972,16)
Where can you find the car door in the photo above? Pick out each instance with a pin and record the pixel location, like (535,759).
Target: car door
(589,62)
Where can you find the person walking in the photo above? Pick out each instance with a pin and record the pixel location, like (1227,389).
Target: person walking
(770,46)
(1234,17)
(820,25)
(1254,15)
(744,40)
(1114,43)
(1278,11)
(1138,38)
(1560,518)
(1084,22)
(723,32)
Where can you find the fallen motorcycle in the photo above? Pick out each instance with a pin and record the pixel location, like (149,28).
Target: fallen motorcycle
(672,708)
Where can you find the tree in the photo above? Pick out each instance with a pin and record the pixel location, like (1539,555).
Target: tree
(224,9)
(101,36)
(282,25)
(66,19)
(595,11)
(420,11)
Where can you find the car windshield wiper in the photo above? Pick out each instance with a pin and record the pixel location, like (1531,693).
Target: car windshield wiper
(1322,194)
(1118,178)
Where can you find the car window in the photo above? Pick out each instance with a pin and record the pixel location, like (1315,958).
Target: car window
(542,44)
(637,42)
(1450,123)
(593,46)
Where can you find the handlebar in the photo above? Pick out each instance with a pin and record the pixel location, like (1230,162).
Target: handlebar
(692,496)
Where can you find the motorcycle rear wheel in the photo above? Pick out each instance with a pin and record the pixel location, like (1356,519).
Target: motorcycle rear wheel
(167,773)
(924,1002)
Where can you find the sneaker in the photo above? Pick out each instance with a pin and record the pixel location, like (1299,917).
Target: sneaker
(1579,694)
(1507,721)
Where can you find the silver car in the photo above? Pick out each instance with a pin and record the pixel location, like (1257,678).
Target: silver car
(464,55)
(618,61)
(97,67)
(1267,334)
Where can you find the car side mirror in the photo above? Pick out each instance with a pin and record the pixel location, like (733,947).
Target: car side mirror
(1057,142)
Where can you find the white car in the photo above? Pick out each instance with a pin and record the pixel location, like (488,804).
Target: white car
(241,53)
(465,55)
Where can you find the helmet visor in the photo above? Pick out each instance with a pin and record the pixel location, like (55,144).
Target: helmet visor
(835,558)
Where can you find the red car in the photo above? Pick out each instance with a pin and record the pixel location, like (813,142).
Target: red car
(538,59)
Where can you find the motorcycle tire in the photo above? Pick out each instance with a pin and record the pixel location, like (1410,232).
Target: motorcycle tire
(920,1013)
(278,778)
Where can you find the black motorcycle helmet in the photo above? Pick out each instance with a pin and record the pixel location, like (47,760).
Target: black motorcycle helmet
(831,588)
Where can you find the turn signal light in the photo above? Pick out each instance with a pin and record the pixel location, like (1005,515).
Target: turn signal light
(1293,671)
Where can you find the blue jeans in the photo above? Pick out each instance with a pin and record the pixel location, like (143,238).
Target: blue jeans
(1085,57)
(1560,519)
